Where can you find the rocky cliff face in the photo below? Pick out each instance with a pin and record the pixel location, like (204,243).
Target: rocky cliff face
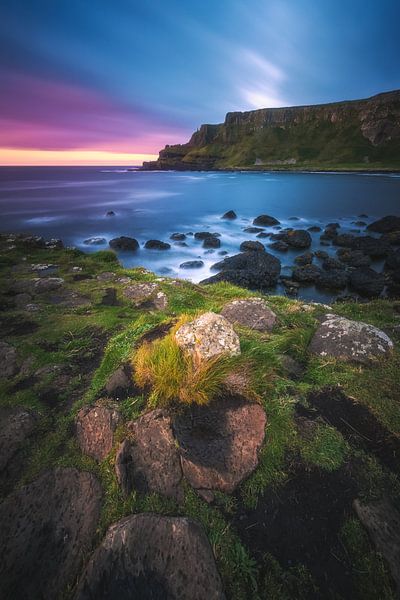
(356,134)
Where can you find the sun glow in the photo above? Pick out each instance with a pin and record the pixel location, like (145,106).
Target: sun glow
(79,157)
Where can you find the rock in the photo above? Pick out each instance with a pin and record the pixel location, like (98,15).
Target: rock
(353,258)
(334,279)
(95,427)
(393,260)
(292,287)
(298,238)
(8,360)
(382,521)
(314,229)
(211,242)
(95,241)
(352,341)
(330,264)
(279,246)
(146,295)
(192,264)
(148,460)
(148,556)
(223,252)
(124,243)
(203,235)
(392,238)
(229,215)
(253,230)
(344,239)
(250,246)
(262,234)
(106,276)
(207,336)
(109,297)
(265,221)
(120,383)
(16,425)
(157,245)
(219,443)
(248,269)
(321,254)
(385,225)
(367,282)
(178,237)
(110,213)
(46,528)
(306,274)
(252,312)
(293,219)
(48,284)
(371,246)
(304,259)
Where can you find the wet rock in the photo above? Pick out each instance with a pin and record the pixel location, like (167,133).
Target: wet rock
(95,427)
(146,295)
(219,444)
(157,245)
(46,529)
(392,238)
(298,238)
(332,263)
(252,312)
(48,284)
(306,274)
(148,460)
(382,521)
(265,221)
(203,235)
(334,279)
(250,246)
(95,241)
(353,258)
(120,383)
(344,239)
(124,243)
(304,259)
(248,269)
(376,248)
(367,282)
(8,360)
(16,425)
(230,215)
(292,287)
(262,234)
(148,556)
(192,264)
(253,230)
(109,297)
(314,228)
(177,237)
(321,254)
(293,219)
(207,336)
(348,340)
(385,225)
(211,242)
(110,213)
(279,246)
(393,260)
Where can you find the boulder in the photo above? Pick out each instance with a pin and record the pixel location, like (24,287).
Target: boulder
(47,284)
(254,230)
(177,237)
(393,260)
(314,229)
(95,241)
(149,556)
(298,238)
(8,360)
(192,264)
(207,336)
(279,246)
(16,425)
(353,258)
(348,340)
(148,461)
(304,259)
(248,269)
(120,383)
(230,215)
(376,248)
(124,243)
(157,245)
(203,235)
(46,529)
(334,279)
(219,444)
(146,295)
(367,282)
(95,427)
(265,221)
(250,246)
(211,242)
(306,274)
(385,225)
(252,312)
(331,263)
(346,240)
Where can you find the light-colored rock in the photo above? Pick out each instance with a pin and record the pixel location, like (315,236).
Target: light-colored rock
(95,428)
(208,336)
(252,312)
(146,295)
(350,340)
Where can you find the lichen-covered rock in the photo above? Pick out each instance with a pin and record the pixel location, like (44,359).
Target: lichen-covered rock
(46,528)
(148,460)
(8,360)
(350,340)
(148,556)
(252,312)
(95,427)
(16,425)
(219,444)
(207,336)
(146,295)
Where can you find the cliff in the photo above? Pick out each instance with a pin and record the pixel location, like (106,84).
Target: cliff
(358,134)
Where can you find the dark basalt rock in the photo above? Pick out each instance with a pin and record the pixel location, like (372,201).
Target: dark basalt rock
(385,225)
(124,243)
(376,248)
(110,213)
(392,238)
(253,230)
(321,254)
(344,239)
(95,427)
(332,263)
(298,238)
(203,235)
(304,259)
(393,260)
(258,270)
(279,246)
(335,279)
(157,245)
(353,258)
(46,528)
(262,234)
(367,282)
(192,264)
(178,237)
(266,221)
(211,242)
(306,274)
(152,557)
(250,246)
(230,215)
(8,360)
(359,223)
(314,229)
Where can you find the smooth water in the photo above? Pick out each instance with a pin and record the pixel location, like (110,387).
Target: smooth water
(71,203)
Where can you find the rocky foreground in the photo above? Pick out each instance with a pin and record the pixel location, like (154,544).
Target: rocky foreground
(268,470)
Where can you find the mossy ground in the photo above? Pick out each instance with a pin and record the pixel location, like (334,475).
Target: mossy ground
(92,340)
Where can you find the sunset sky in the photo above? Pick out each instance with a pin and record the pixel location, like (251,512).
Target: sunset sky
(100,82)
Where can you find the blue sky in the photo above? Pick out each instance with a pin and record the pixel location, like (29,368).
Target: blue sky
(133,75)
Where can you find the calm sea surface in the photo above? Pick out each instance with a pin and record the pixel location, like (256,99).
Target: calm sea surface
(71,203)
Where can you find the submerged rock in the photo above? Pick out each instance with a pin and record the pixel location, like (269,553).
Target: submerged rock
(124,243)
(250,246)
(178,237)
(211,242)
(348,340)
(153,557)
(253,230)
(192,264)
(207,336)
(252,312)
(304,259)
(95,427)
(248,269)
(157,245)
(279,246)
(230,215)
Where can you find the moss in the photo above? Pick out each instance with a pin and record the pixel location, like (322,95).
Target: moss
(326,448)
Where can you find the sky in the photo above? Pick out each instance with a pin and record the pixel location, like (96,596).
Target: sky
(112,82)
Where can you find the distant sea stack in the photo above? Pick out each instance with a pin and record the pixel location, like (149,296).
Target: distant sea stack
(352,135)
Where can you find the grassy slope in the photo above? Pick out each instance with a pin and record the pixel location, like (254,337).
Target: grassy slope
(69,333)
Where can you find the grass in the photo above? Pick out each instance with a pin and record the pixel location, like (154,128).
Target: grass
(326,448)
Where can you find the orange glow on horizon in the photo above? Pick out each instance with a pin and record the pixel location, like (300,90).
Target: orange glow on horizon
(12,157)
